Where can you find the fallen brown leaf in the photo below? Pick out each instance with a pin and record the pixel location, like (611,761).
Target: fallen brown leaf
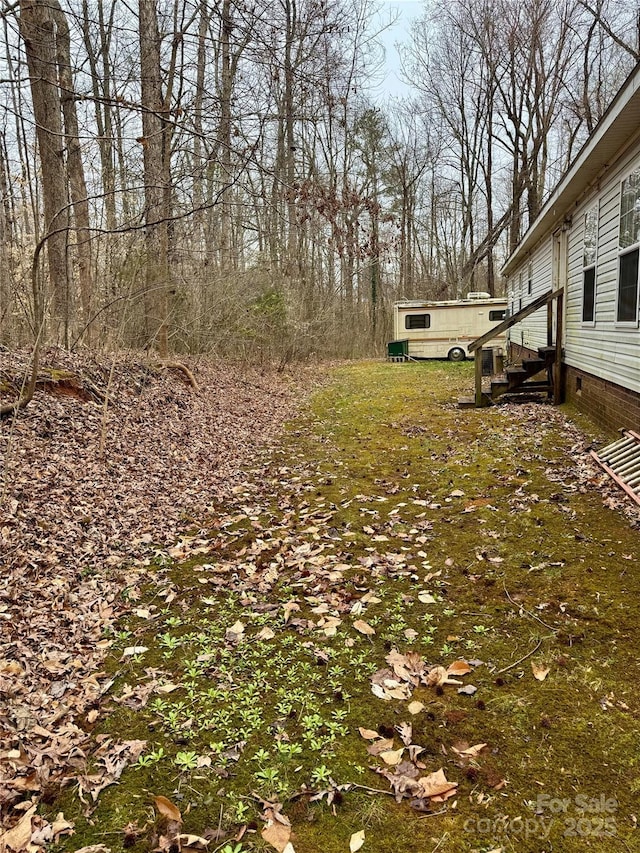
(277,830)
(381,746)
(459,667)
(94,848)
(19,837)
(166,808)
(133,650)
(392,757)
(405,731)
(193,842)
(356,841)
(364,628)
(540,671)
(289,608)
(470,751)
(368,734)
(436,785)
(436,676)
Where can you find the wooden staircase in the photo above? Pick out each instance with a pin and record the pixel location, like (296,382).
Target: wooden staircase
(524,378)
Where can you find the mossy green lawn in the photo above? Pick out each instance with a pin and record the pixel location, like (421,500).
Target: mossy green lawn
(453,534)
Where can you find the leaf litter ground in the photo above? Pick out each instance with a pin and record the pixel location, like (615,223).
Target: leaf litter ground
(406,629)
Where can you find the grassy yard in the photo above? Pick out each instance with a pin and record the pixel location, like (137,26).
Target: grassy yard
(387,531)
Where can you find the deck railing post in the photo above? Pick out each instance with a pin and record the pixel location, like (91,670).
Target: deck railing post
(549,323)
(478,367)
(557,371)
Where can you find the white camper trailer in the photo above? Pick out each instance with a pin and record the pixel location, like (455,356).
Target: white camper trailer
(445,329)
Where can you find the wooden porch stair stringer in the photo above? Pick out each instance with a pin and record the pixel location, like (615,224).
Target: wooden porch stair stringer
(521,379)
(549,357)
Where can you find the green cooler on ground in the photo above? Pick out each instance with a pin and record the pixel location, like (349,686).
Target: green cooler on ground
(398,350)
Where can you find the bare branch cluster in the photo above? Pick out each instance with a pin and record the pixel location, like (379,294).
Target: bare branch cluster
(223,177)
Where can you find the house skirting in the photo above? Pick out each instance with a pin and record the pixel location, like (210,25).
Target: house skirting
(609,405)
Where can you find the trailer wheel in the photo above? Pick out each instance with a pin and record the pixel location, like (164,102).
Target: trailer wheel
(457,354)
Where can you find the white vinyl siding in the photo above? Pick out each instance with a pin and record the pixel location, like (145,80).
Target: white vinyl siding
(606,349)
(532,331)
(607,271)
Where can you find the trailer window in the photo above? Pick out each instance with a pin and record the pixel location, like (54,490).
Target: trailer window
(417,321)
(497,316)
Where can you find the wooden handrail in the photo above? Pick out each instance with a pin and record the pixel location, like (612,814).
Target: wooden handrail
(545,299)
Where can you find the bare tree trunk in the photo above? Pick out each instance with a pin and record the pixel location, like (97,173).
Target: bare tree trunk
(102,94)
(292,230)
(29,207)
(37,28)
(226,86)
(198,159)
(488,183)
(75,167)
(6,241)
(156,213)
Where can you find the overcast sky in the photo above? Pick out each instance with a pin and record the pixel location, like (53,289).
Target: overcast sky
(406,11)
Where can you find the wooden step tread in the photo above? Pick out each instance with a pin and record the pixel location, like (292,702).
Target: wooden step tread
(470,402)
(497,384)
(546,352)
(466,402)
(530,388)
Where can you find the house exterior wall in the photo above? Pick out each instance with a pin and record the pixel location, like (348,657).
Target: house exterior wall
(610,405)
(603,347)
(532,331)
(602,356)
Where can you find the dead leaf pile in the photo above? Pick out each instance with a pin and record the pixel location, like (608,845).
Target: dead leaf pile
(583,474)
(32,832)
(405,771)
(277,828)
(407,671)
(110,760)
(88,488)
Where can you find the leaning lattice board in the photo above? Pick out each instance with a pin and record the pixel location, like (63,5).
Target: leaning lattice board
(621,460)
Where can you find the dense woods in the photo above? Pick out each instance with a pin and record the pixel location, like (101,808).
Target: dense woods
(227,178)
